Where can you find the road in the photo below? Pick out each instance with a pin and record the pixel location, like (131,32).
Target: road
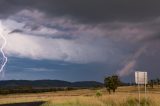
(24,104)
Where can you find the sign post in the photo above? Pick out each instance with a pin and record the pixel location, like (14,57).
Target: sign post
(141,79)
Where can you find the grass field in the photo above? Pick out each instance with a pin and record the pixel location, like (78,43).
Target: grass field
(125,96)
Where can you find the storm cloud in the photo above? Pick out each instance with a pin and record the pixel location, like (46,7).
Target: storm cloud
(84,32)
(89,10)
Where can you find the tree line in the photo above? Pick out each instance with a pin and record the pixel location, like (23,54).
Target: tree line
(29,89)
(154,82)
(113,82)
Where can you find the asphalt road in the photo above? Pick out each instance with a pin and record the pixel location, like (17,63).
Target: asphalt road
(24,104)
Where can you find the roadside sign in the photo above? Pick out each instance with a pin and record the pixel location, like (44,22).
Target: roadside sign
(141,77)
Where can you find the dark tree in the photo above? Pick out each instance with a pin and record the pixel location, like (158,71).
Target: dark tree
(108,83)
(158,81)
(151,83)
(111,83)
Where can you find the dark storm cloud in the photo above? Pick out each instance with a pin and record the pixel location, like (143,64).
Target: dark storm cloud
(16,31)
(7,8)
(88,10)
(155,37)
(82,31)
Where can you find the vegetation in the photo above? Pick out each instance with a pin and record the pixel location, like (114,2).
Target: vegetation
(27,89)
(111,83)
(98,93)
(39,86)
(154,82)
(124,96)
(97,96)
(101,101)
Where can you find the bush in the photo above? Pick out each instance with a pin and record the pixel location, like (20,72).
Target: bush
(98,94)
(135,102)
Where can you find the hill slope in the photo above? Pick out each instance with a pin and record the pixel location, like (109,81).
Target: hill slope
(48,83)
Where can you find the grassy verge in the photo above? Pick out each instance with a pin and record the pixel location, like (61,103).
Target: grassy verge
(125,96)
(109,100)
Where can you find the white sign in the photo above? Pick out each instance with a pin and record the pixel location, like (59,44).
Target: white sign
(141,77)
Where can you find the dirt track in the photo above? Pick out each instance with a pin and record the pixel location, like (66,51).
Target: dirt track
(24,104)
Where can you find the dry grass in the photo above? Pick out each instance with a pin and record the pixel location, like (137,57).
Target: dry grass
(124,97)
(118,99)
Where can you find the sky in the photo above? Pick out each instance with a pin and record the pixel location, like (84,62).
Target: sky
(80,40)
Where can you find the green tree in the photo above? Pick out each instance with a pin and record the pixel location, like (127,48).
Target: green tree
(111,83)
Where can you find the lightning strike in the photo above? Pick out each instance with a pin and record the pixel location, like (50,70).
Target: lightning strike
(2,49)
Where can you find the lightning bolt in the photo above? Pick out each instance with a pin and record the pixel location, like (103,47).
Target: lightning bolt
(2,49)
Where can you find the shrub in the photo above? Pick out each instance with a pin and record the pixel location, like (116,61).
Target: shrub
(135,102)
(98,93)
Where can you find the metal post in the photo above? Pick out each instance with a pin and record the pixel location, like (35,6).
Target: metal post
(139,92)
(145,88)
(139,89)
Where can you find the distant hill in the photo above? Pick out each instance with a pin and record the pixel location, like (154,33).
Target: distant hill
(48,83)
